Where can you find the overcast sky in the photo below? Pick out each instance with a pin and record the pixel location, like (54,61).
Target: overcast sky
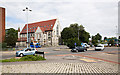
(96,16)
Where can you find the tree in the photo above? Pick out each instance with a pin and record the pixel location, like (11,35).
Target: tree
(71,42)
(70,34)
(94,40)
(98,36)
(111,42)
(105,38)
(11,37)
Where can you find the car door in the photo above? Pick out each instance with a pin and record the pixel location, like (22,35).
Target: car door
(28,52)
(81,48)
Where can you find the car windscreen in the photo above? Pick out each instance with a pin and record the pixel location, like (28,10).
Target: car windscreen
(23,49)
(79,47)
(32,49)
(99,46)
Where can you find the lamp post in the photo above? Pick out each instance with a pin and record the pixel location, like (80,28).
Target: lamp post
(117,34)
(26,9)
(78,32)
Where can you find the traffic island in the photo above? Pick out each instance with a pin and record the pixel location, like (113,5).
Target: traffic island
(25,58)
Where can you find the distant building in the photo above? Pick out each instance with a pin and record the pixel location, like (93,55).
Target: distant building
(44,32)
(2,24)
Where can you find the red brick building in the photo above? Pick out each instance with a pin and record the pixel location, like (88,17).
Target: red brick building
(43,32)
(2,24)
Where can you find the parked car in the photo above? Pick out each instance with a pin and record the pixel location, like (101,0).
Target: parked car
(31,45)
(100,47)
(36,46)
(78,49)
(85,45)
(26,51)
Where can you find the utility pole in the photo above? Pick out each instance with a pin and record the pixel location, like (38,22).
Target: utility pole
(78,32)
(27,22)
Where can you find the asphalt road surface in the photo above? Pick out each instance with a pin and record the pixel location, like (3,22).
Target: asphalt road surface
(110,54)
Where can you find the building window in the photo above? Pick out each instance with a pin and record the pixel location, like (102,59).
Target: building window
(51,25)
(49,38)
(48,33)
(31,34)
(23,35)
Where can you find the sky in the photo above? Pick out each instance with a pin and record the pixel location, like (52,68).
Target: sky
(97,16)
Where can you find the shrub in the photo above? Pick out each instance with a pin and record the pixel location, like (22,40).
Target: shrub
(25,58)
(32,58)
(4,45)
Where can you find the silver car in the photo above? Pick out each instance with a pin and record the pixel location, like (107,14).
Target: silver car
(26,51)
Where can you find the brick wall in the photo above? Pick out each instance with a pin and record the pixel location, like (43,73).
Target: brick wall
(2,24)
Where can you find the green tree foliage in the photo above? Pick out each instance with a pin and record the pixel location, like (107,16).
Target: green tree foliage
(11,37)
(111,42)
(96,38)
(105,38)
(69,35)
(71,42)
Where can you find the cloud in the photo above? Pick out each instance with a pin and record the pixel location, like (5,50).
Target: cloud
(96,16)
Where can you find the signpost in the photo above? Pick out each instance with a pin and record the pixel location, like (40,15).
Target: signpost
(75,44)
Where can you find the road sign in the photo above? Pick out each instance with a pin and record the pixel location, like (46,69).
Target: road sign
(75,44)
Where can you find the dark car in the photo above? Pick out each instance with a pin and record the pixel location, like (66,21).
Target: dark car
(79,49)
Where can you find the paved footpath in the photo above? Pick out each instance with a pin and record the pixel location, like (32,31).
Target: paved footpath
(63,65)
(61,68)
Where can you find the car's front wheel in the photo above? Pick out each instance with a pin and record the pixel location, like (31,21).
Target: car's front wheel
(85,50)
(77,51)
(21,55)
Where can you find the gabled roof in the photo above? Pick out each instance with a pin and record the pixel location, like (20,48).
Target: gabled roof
(44,26)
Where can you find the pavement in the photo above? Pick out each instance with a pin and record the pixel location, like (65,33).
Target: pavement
(61,60)
(61,68)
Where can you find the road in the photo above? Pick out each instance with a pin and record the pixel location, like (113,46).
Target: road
(62,60)
(110,54)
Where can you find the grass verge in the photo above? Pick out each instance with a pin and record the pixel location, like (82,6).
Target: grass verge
(25,58)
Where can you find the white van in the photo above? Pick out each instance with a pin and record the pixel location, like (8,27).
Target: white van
(85,45)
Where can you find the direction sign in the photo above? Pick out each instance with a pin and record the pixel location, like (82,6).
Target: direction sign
(75,44)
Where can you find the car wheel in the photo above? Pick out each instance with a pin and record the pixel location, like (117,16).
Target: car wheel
(85,50)
(102,49)
(21,55)
(77,51)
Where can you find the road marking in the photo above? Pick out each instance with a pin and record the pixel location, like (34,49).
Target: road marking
(98,59)
(91,58)
(88,60)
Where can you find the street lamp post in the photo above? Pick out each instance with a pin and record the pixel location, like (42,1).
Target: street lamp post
(117,34)
(78,32)
(26,9)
